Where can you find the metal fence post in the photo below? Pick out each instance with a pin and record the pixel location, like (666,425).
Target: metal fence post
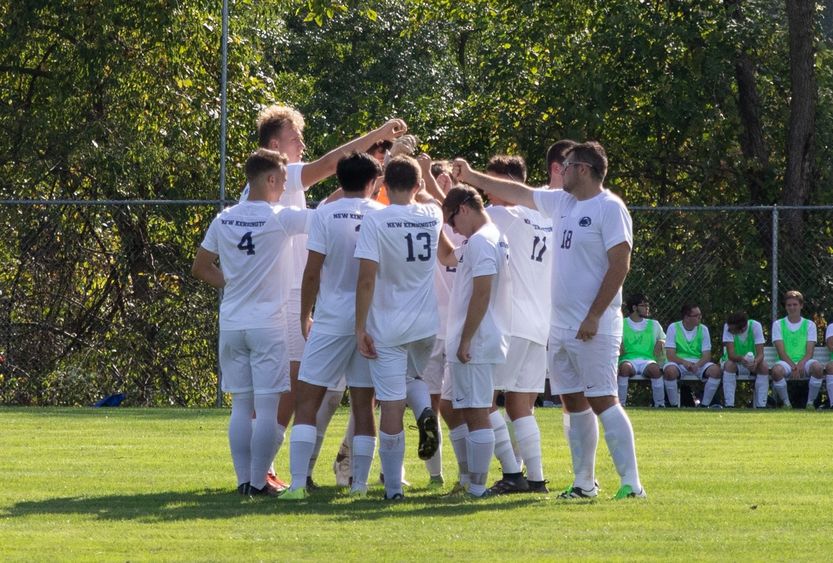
(774,297)
(223,124)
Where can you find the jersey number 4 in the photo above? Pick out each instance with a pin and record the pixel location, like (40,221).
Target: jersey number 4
(426,247)
(247,244)
(539,257)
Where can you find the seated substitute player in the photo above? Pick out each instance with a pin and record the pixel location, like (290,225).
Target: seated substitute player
(396,307)
(743,352)
(688,350)
(642,346)
(794,338)
(479,325)
(330,281)
(281,128)
(522,376)
(828,369)
(250,240)
(592,258)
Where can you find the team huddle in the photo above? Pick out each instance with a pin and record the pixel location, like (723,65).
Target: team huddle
(404,287)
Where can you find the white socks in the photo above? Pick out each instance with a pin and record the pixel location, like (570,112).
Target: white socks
(392,454)
(673,393)
(529,441)
(301,446)
(780,388)
(730,384)
(658,391)
(712,384)
(619,438)
(325,413)
(829,380)
(503,444)
(479,449)
(434,464)
(265,437)
(458,437)
(363,448)
(815,387)
(240,435)
(582,432)
(761,389)
(417,396)
(623,389)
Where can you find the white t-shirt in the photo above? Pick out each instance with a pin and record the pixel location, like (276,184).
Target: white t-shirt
(402,239)
(334,232)
(671,340)
(584,231)
(293,196)
(486,253)
(757,333)
(529,235)
(811,329)
(251,239)
(444,281)
(828,333)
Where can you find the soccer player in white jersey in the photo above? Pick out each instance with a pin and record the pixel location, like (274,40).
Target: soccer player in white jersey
(828,369)
(281,128)
(688,351)
(743,352)
(479,324)
(522,376)
(330,282)
(642,346)
(593,241)
(794,338)
(250,240)
(396,307)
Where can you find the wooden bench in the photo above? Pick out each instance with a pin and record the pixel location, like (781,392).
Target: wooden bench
(821,353)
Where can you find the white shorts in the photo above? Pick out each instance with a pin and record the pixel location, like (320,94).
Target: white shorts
(328,359)
(471,385)
(525,369)
(254,360)
(435,369)
(684,371)
(295,340)
(788,370)
(578,366)
(393,364)
(638,365)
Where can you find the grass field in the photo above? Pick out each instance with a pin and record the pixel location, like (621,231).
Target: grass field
(138,485)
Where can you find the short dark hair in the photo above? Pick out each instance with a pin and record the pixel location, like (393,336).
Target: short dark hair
(591,153)
(687,308)
(262,161)
(508,165)
(462,195)
(402,174)
(737,319)
(380,145)
(633,300)
(355,170)
(440,166)
(558,151)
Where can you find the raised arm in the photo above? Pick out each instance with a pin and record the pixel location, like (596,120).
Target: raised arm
(324,167)
(511,192)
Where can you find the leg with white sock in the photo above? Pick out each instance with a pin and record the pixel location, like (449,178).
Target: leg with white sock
(434,464)
(503,445)
(392,445)
(829,380)
(264,444)
(671,373)
(364,441)
(480,447)
(582,432)
(709,389)
(730,385)
(761,390)
(329,405)
(240,435)
(814,387)
(308,398)
(417,398)
(658,391)
(619,437)
(459,436)
(529,441)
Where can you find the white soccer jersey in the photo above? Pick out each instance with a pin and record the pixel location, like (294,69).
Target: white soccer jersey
(671,341)
(402,239)
(293,196)
(251,239)
(444,281)
(584,231)
(334,232)
(486,253)
(812,331)
(757,334)
(530,237)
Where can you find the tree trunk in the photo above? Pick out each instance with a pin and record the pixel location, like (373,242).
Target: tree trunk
(801,136)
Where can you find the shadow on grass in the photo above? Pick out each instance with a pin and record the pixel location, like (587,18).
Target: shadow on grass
(220,504)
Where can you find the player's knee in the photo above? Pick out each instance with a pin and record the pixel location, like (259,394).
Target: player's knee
(652,371)
(671,373)
(626,369)
(730,366)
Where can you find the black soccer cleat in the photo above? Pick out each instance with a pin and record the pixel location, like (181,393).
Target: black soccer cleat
(511,485)
(429,434)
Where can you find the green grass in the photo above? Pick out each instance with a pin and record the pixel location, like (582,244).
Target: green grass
(131,484)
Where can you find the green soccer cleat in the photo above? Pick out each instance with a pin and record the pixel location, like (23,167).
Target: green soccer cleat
(435,483)
(572,492)
(297,494)
(626,491)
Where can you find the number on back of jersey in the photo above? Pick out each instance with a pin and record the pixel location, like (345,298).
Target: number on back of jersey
(247,244)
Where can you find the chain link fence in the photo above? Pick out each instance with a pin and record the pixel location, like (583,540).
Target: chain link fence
(97,297)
